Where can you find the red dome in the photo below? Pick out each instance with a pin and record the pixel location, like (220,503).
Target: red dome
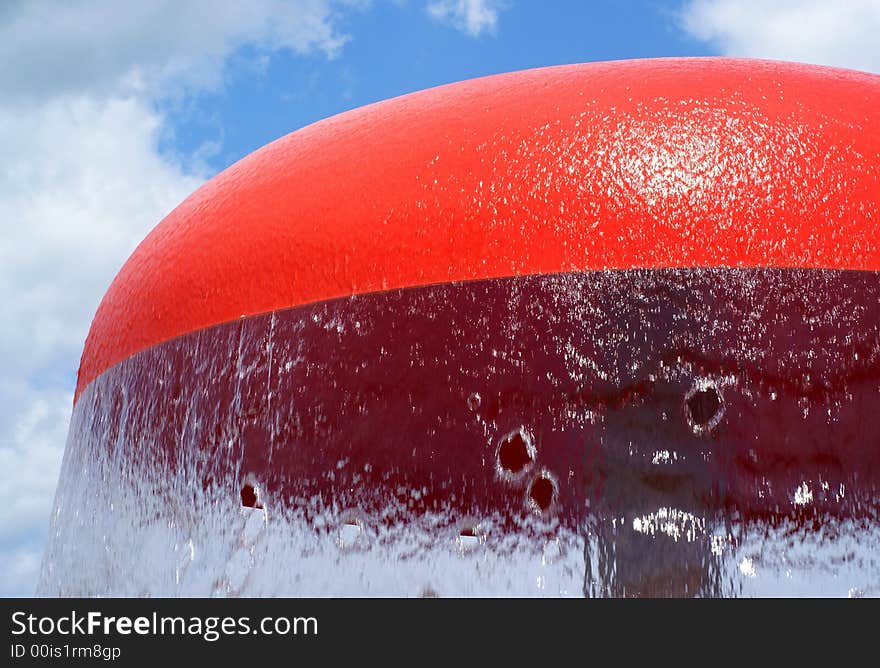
(644,163)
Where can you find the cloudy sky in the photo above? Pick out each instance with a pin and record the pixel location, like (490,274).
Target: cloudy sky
(112,112)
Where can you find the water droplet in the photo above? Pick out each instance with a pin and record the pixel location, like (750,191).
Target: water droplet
(803,495)
(551,551)
(747,568)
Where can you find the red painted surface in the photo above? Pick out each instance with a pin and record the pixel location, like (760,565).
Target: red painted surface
(355,403)
(661,163)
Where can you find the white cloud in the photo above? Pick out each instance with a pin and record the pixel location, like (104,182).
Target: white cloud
(35,456)
(19,566)
(843,34)
(472,17)
(81,182)
(34,427)
(108,47)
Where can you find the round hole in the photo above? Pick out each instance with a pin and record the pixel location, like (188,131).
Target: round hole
(250,496)
(470,535)
(468,541)
(515,453)
(542,491)
(704,407)
(351,532)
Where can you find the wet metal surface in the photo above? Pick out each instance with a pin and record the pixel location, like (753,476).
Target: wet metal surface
(707,432)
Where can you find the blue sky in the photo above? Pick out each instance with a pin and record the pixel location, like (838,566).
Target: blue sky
(397,48)
(111,113)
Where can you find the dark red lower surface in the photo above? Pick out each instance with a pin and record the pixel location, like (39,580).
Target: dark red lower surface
(597,403)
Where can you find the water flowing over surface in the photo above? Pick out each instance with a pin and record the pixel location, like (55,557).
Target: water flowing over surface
(671,432)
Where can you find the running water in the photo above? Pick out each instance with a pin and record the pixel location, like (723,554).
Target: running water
(686,432)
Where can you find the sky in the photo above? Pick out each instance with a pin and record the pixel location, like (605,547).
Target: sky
(111,113)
